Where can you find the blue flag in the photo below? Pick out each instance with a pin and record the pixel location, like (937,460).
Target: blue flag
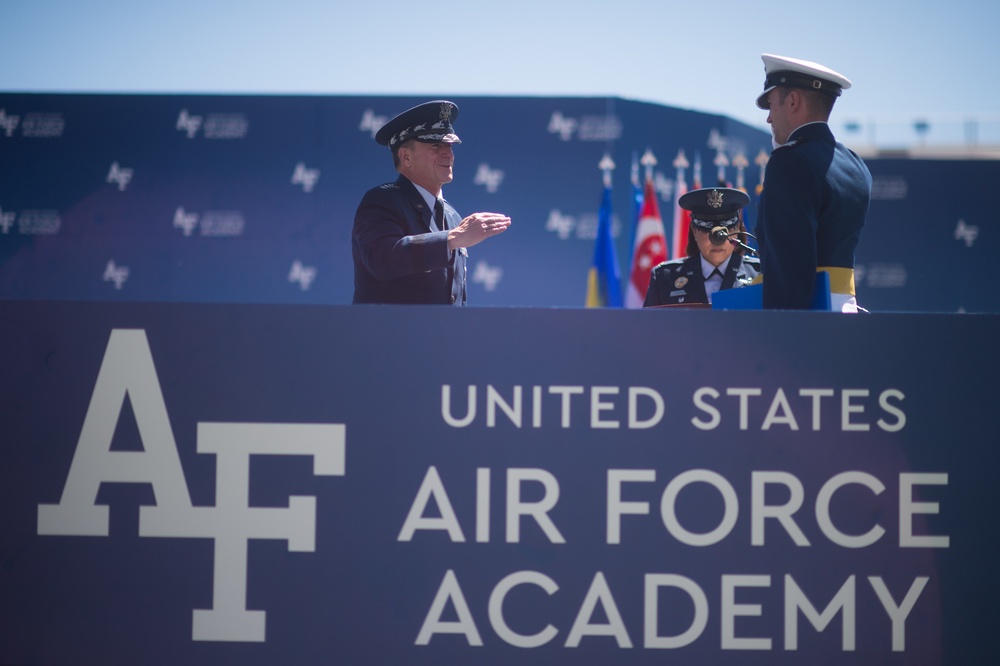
(604,281)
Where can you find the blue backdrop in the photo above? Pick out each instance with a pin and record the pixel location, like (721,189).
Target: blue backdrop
(208,198)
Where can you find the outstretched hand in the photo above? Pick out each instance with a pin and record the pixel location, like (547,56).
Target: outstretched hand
(476,228)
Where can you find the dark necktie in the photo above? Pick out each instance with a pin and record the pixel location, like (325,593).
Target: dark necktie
(439,214)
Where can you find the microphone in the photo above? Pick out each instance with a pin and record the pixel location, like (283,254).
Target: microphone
(718,235)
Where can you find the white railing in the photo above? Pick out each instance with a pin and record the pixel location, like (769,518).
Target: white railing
(959,134)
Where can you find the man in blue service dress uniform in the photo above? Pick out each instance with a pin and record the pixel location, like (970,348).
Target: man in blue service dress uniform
(816,191)
(409,244)
(713,263)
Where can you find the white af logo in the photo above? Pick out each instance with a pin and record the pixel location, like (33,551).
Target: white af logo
(966,232)
(8,123)
(6,221)
(188,123)
(115,273)
(305,177)
(371,122)
(491,178)
(185,220)
(302,274)
(664,186)
(128,371)
(561,224)
(486,275)
(119,176)
(563,126)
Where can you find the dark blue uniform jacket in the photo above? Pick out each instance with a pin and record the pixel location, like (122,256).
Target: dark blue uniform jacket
(681,280)
(814,204)
(400,254)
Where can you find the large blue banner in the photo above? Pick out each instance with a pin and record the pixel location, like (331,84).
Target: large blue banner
(251,199)
(206,484)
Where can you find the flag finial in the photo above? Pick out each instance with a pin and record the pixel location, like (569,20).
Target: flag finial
(649,161)
(681,162)
(607,165)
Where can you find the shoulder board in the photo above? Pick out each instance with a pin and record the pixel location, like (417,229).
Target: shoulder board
(671,263)
(754,261)
(792,143)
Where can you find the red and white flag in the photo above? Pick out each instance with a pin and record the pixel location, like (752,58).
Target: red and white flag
(650,247)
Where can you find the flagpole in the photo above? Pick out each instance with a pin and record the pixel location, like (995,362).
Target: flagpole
(606,165)
(740,163)
(681,221)
(761,161)
(721,162)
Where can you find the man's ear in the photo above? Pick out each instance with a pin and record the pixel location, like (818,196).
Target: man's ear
(794,99)
(801,101)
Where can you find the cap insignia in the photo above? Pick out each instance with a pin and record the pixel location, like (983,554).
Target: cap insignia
(715,199)
(445,112)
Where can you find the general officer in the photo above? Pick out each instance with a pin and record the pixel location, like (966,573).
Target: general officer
(713,262)
(816,191)
(409,244)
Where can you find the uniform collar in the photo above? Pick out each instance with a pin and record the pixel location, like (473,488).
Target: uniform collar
(707,268)
(813,128)
(428,198)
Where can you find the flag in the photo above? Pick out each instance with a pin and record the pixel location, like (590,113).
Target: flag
(604,280)
(650,246)
(682,218)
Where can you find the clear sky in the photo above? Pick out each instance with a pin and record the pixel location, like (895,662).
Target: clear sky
(908,60)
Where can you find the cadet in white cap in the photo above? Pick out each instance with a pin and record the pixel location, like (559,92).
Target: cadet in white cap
(409,244)
(816,191)
(713,262)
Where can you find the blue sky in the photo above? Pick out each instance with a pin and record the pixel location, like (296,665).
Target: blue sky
(908,60)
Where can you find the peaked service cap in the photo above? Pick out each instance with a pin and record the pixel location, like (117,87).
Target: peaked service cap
(429,122)
(714,206)
(795,73)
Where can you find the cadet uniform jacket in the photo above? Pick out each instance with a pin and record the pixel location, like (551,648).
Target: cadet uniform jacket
(400,254)
(814,204)
(681,280)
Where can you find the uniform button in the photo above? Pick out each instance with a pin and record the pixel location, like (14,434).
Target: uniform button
(453,299)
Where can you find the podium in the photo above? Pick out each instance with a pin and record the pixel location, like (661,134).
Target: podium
(752,297)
